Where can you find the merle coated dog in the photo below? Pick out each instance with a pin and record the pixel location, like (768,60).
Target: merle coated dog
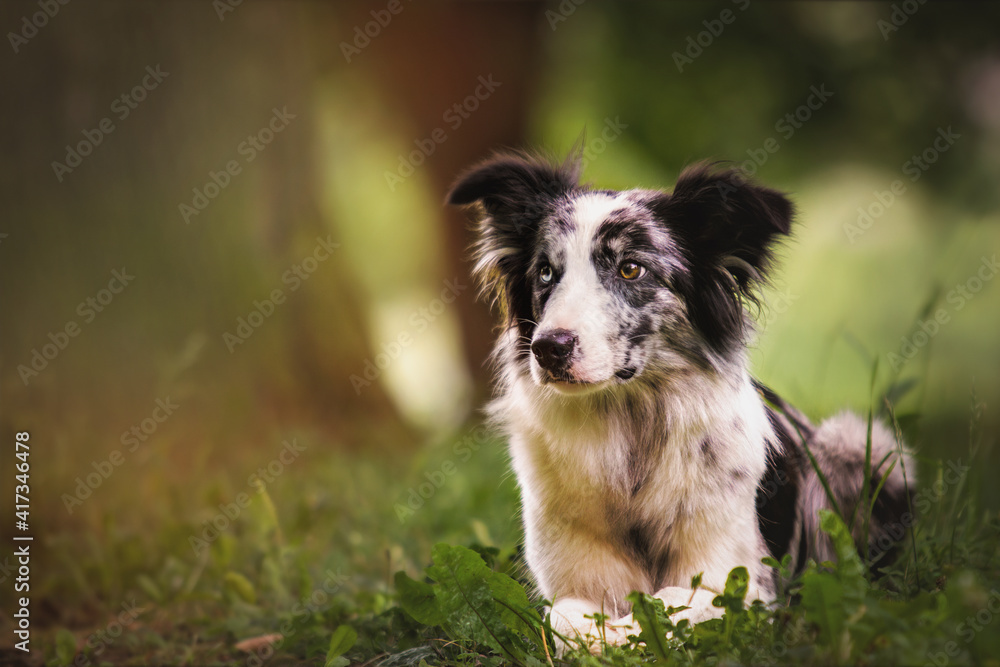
(645,451)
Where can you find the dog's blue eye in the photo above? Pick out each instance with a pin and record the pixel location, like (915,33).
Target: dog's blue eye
(545,274)
(631,271)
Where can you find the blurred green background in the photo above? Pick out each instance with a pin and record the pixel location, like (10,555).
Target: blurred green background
(379,106)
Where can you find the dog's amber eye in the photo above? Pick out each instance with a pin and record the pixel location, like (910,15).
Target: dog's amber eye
(545,274)
(631,270)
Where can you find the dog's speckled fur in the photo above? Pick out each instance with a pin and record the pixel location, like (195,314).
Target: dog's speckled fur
(645,452)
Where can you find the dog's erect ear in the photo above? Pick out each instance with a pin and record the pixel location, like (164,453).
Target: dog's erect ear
(513,185)
(720,217)
(514,193)
(728,228)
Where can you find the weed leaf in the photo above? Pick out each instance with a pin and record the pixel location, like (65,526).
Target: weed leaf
(465,597)
(418,600)
(850,570)
(736,591)
(822,598)
(652,618)
(341,641)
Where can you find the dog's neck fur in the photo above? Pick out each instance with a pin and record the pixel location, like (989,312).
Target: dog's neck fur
(675,426)
(670,468)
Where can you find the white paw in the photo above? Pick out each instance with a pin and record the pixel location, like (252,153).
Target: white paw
(699,604)
(569,619)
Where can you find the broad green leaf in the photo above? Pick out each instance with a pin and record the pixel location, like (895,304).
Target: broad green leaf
(465,598)
(513,601)
(418,600)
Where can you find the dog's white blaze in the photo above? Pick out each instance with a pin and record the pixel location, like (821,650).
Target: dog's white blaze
(579,303)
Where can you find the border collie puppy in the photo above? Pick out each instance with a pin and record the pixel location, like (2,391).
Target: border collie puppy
(644,450)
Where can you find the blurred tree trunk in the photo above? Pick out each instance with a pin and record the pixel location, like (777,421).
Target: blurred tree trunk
(327,340)
(435,63)
(121,207)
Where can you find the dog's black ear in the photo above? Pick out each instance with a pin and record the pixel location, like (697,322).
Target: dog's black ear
(720,215)
(728,228)
(513,185)
(514,193)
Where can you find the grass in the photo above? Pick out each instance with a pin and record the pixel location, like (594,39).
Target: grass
(368,559)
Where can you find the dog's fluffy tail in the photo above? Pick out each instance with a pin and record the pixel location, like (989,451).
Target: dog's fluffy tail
(838,446)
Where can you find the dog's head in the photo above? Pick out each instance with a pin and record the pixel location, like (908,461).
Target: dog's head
(606,287)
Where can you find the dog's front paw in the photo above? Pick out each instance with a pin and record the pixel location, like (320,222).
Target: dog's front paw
(569,619)
(699,603)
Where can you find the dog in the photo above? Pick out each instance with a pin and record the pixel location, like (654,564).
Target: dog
(645,452)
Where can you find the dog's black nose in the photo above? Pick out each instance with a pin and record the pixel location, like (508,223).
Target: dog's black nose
(553,349)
